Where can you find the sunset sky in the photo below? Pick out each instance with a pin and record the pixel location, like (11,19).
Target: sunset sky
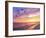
(21,14)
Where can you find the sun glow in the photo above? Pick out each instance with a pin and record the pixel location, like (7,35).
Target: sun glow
(32,19)
(31,16)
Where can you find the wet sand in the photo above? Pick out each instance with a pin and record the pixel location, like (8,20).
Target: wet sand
(26,26)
